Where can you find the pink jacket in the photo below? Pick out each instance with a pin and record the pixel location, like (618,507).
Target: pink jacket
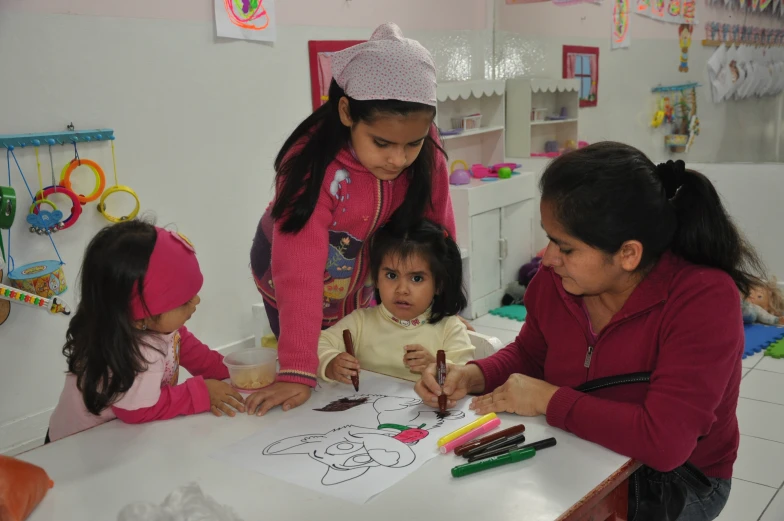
(155,394)
(682,323)
(320,274)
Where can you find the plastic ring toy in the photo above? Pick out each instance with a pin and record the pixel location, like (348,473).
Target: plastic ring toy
(38,202)
(115,189)
(100,178)
(76,209)
(455,163)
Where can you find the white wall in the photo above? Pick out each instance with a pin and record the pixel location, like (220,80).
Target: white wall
(198,121)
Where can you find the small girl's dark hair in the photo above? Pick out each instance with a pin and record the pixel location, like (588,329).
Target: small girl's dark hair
(432,243)
(300,176)
(102,346)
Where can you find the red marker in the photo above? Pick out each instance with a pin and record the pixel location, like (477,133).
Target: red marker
(441,378)
(350,350)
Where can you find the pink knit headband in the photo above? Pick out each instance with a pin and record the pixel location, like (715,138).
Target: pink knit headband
(173,276)
(388,66)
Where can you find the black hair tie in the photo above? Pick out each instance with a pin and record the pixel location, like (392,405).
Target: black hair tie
(671,175)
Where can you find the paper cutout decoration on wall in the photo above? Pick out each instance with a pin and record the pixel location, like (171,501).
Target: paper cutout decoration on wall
(320,67)
(573,2)
(670,11)
(620,25)
(684,39)
(346,445)
(246,19)
(583,63)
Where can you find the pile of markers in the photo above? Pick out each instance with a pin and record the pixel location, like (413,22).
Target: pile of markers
(494,450)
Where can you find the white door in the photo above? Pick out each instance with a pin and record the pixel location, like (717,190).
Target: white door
(517,238)
(485,260)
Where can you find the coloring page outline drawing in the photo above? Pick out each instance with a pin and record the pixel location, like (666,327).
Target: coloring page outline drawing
(344,444)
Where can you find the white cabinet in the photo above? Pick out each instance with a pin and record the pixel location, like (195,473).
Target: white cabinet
(495,224)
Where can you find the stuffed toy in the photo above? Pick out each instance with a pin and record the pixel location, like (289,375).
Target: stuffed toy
(514,294)
(764,304)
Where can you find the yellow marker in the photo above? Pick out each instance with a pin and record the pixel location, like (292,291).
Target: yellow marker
(468,428)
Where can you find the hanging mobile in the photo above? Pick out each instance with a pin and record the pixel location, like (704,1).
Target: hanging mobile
(116,189)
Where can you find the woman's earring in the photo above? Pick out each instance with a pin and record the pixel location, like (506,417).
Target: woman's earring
(144,327)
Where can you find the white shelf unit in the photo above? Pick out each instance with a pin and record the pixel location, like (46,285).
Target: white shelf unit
(524,136)
(495,223)
(485,144)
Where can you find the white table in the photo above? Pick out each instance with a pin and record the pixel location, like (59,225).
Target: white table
(97,472)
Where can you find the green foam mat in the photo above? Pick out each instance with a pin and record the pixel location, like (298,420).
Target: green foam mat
(776,349)
(514,311)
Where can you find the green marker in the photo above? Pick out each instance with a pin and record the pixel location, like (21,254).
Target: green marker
(505,459)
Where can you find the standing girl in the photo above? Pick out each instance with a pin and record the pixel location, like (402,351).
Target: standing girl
(370,150)
(127,339)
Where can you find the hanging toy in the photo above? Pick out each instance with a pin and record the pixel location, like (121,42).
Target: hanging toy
(658,117)
(53,305)
(684,37)
(117,188)
(43,221)
(72,165)
(45,279)
(44,193)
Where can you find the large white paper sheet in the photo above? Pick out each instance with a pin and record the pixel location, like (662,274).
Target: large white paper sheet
(349,445)
(246,19)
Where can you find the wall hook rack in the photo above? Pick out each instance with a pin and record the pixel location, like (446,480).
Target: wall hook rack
(66,137)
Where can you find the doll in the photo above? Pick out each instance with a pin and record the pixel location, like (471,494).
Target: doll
(764,304)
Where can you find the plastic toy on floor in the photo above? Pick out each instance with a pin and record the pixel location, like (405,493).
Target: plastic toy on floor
(776,349)
(764,305)
(514,294)
(759,337)
(513,312)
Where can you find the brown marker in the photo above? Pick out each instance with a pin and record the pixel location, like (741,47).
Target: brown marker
(481,442)
(350,350)
(441,378)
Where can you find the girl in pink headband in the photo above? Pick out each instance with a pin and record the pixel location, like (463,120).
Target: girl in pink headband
(372,150)
(127,339)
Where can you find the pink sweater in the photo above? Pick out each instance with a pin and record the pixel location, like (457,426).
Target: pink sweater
(320,274)
(682,323)
(155,394)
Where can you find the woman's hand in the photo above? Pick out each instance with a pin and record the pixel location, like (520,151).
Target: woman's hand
(460,380)
(223,398)
(416,358)
(520,394)
(342,368)
(289,395)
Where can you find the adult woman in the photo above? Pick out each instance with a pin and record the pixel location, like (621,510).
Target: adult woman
(642,274)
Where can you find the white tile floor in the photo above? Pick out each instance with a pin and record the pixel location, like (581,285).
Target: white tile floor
(758,480)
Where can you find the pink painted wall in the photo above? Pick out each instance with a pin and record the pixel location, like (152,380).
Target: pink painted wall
(594,21)
(409,14)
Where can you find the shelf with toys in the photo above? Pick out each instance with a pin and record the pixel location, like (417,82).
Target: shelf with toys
(541,116)
(470,118)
